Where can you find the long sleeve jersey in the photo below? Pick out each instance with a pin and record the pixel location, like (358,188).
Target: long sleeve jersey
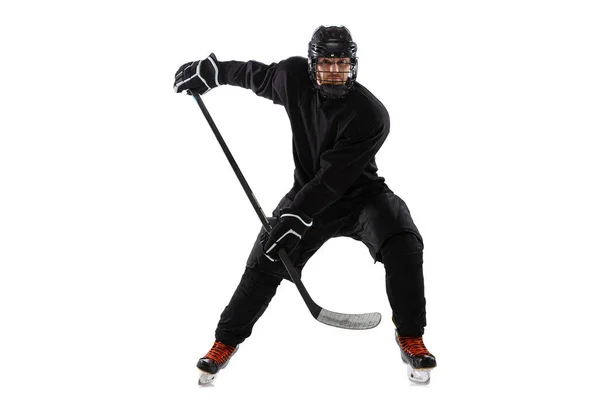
(334,140)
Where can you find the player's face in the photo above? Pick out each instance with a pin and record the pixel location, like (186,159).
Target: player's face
(333,70)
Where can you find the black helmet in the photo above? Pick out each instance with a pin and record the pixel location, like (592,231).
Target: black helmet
(332,41)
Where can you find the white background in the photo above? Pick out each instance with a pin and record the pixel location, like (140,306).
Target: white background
(123,230)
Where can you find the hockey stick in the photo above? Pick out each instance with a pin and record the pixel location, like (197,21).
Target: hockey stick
(347,321)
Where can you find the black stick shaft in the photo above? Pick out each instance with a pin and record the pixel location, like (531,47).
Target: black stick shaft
(312,306)
(236,169)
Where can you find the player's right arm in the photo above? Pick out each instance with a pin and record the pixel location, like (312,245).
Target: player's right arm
(204,75)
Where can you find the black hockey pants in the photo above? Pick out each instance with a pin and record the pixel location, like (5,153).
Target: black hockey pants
(402,257)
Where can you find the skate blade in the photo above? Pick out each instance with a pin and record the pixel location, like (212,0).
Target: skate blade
(419,376)
(206,378)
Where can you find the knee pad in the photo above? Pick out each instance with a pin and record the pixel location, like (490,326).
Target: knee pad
(401,245)
(260,279)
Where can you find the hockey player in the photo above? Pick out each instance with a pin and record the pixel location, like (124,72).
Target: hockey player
(338,126)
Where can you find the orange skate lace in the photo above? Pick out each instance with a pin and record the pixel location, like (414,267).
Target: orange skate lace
(220,352)
(413,346)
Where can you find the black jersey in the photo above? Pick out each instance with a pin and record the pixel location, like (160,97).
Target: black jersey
(334,140)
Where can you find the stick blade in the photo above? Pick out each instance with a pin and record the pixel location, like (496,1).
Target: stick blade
(349,321)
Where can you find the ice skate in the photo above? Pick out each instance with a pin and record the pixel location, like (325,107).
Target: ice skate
(215,360)
(419,360)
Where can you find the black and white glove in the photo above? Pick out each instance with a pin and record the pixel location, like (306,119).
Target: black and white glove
(288,230)
(198,76)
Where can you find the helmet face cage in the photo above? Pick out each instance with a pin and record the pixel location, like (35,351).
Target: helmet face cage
(332,42)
